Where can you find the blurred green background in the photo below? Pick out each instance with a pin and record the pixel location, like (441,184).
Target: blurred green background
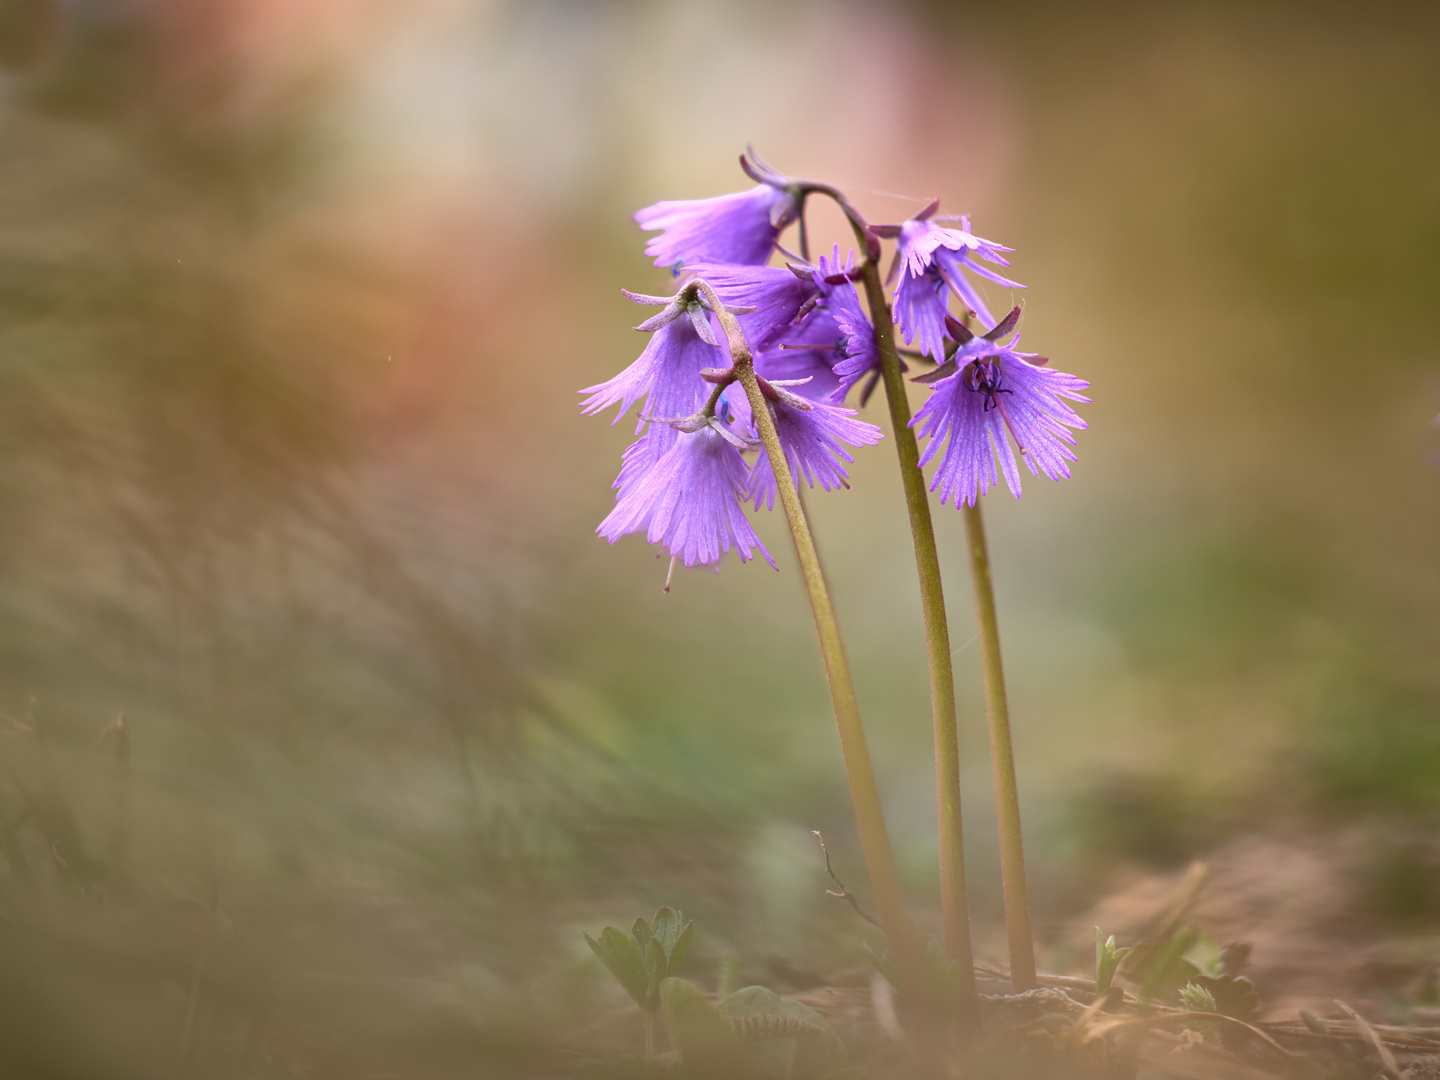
(294,301)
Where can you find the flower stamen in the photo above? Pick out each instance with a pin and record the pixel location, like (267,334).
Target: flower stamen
(983,377)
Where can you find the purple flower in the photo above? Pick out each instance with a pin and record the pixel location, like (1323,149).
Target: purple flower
(928,259)
(812,435)
(833,344)
(842,301)
(993,398)
(667,372)
(687,498)
(738,228)
(805,355)
(777,294)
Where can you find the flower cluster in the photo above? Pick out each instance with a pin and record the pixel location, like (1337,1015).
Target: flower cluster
(687,479)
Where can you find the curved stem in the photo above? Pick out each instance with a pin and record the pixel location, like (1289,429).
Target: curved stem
(864,791)
(867,239)
(1002,755)
(1012,859)
(954,894)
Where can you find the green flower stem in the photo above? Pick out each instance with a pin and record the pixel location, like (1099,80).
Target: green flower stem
(1002,756)
(864,792)
(954,896)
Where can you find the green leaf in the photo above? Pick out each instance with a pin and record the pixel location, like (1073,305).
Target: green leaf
(1107,961)
(757,1012)
(654,973)
(707,1043)
(884,964)
(1205,955)
(621,956)
(1160,967)
(680,948)
(666,927)
(787,1039)
(1196,998)
(641,932)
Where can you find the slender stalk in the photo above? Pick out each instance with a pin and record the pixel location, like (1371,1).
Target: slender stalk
(864,791)
(1002,755)
(942,685)
(954,894)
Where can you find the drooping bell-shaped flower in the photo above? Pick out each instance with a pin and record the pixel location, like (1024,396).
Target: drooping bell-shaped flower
(738,228)
(814,436)
(980,404)
(687,499)
(667,372)
(929,259)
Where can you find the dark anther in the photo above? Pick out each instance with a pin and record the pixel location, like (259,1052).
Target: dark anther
(983,377)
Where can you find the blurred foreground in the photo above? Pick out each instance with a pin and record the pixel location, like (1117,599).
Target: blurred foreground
(294,300)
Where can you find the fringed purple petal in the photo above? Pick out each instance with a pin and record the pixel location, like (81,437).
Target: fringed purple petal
(967,293)
(861,354)
(975,425)
(974,267)
(641,455)
(926,252)
(813,440)
(917,243)
(738,228)
(688,499)
(920,311)
(667,372)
